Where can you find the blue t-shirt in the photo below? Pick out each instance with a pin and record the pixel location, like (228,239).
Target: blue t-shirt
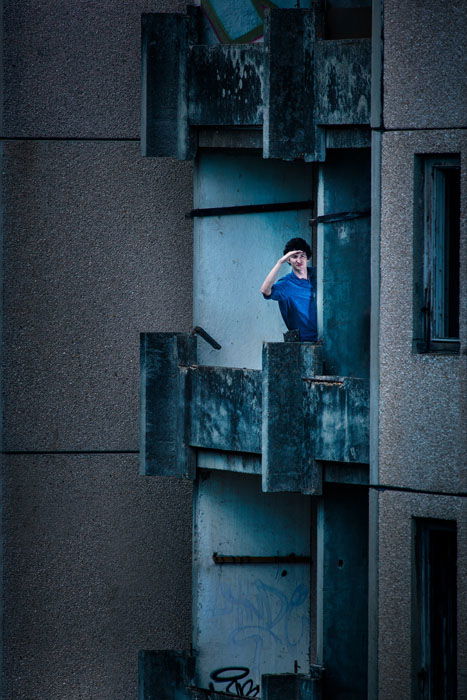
(297,303)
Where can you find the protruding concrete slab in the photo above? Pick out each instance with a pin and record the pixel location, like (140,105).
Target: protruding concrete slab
(164,91)
(165,409)
(288,413)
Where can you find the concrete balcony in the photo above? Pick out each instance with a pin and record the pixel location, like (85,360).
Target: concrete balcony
(287,421)
(292,96)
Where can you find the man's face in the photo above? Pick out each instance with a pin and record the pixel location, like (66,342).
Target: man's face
(298,261)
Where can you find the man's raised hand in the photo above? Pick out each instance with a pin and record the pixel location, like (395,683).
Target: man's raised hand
(288,255)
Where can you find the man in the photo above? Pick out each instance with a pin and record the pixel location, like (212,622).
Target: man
(296,292)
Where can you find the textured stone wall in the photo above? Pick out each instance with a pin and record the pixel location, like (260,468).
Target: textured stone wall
(96,249)
(424,64)
(396,585)
(418,415)
(421,396)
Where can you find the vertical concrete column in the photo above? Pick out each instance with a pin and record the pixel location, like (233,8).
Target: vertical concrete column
(288,463)
(166,39)
(289,43)
(164,404)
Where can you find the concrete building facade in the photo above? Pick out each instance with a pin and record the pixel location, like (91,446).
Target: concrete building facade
(95,249)
(101,562)
(418,411)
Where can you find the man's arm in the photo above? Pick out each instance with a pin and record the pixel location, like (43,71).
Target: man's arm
(272,275)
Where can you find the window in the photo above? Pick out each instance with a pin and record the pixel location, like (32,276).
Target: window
(437,253)
(435,667)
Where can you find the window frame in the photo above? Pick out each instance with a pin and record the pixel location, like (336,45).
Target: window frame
(425,665)
(431,235)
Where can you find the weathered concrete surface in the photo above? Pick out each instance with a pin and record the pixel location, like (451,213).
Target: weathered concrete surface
(89,262)
(225,408)
(336,411)
(233,602)
(73,69)
(424,64)
(289,413)
(97,566)
(342,84)
(289,130)
(395,580)
(226,85)
(164,50)
(288,456)
(422,397)
(292,84)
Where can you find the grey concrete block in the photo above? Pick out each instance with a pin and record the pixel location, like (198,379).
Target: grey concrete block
(421,418)
(395,585)
(424,64)
(73,69)
(97,249)
(98,566)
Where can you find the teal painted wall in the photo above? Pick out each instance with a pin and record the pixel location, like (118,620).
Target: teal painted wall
(252,615)
(344,263)
(343,591)
(233,254)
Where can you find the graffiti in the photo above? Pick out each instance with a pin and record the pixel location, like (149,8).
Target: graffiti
(231,677)
(247,22)
(263,617)
(241,22)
